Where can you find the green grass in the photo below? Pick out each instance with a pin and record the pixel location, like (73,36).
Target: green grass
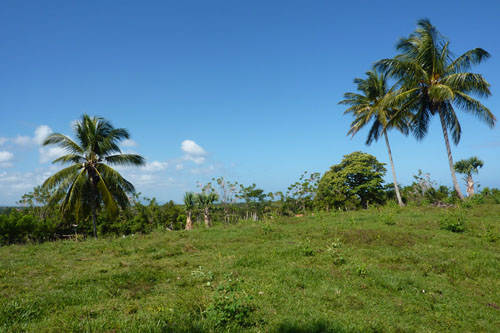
(387,270)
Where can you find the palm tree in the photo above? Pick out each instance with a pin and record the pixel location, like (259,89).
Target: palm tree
(89,180)
(434,83)
(189,203)
(371,104)
(206,200)
(468,167)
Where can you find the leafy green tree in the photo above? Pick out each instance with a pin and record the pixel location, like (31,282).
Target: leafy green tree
(370,104)
(355,182)
(467,168)
(189,204)
(90,181)
(206,201)
(433,82)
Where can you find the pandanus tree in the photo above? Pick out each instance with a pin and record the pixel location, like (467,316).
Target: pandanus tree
(467,168)
(205,201)
(434,83)
(371,105)
(90,181)
(189,204)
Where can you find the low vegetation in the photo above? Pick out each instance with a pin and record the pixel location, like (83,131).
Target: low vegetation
(382,269)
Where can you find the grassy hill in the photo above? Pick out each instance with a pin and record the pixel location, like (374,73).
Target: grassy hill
(377,270)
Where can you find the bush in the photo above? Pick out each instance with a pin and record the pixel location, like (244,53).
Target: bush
(454,221)
(19,227)
(230,307)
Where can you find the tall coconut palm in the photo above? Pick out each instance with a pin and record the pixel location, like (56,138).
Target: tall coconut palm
(89,180)
(206,200)
(189,203)
(467,168)
(433,82)
(371,104)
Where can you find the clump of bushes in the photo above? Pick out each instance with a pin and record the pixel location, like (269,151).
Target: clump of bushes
(230,307)
(454,221)
(16,227)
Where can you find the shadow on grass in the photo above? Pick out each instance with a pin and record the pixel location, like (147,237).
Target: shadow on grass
(318,326)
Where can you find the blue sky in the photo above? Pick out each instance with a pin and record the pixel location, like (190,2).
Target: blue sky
(245,90)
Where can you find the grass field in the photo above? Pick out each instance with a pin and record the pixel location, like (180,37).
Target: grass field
(392,269)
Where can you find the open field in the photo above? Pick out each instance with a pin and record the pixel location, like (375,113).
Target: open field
(391,270)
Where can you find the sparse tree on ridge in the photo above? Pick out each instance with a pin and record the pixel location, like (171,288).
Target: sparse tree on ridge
(189,203)
(468,167)
(434,83)
(371,104)
(89,180)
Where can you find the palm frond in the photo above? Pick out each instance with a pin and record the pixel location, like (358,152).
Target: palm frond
(474,107)
(73,158)
(64,142)
(107,196)
(59,177)
(125,160)
(467,60)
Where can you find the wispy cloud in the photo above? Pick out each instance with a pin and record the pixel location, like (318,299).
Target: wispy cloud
(155,166)
(5,159)
(129,143)
(23,140)
(50,154)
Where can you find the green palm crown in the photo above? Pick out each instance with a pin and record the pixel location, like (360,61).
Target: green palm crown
(89,181)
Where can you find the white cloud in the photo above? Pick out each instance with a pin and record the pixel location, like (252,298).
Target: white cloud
(179,166)
(15,184)
(129,143)
(195,159)
(3,141)
(155,166)
(192,148)
(41,134)
(49,154)
(23,140)
(5,156)
(203,170)
(193,151)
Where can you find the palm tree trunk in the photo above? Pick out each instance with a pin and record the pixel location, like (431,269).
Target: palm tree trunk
(396,187)
(94,219)
(207,217)
(189,222)
(450,158)
(470,186)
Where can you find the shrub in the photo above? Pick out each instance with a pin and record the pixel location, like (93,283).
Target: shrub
(334,250)
(454,221)
(230,307)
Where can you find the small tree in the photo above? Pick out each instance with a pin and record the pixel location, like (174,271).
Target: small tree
(205,201)
(355,182)
(189,203)
(467,168)
(304,190)
(227,191)
(253,198)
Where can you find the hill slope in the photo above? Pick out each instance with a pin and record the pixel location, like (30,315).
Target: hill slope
(378,270)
